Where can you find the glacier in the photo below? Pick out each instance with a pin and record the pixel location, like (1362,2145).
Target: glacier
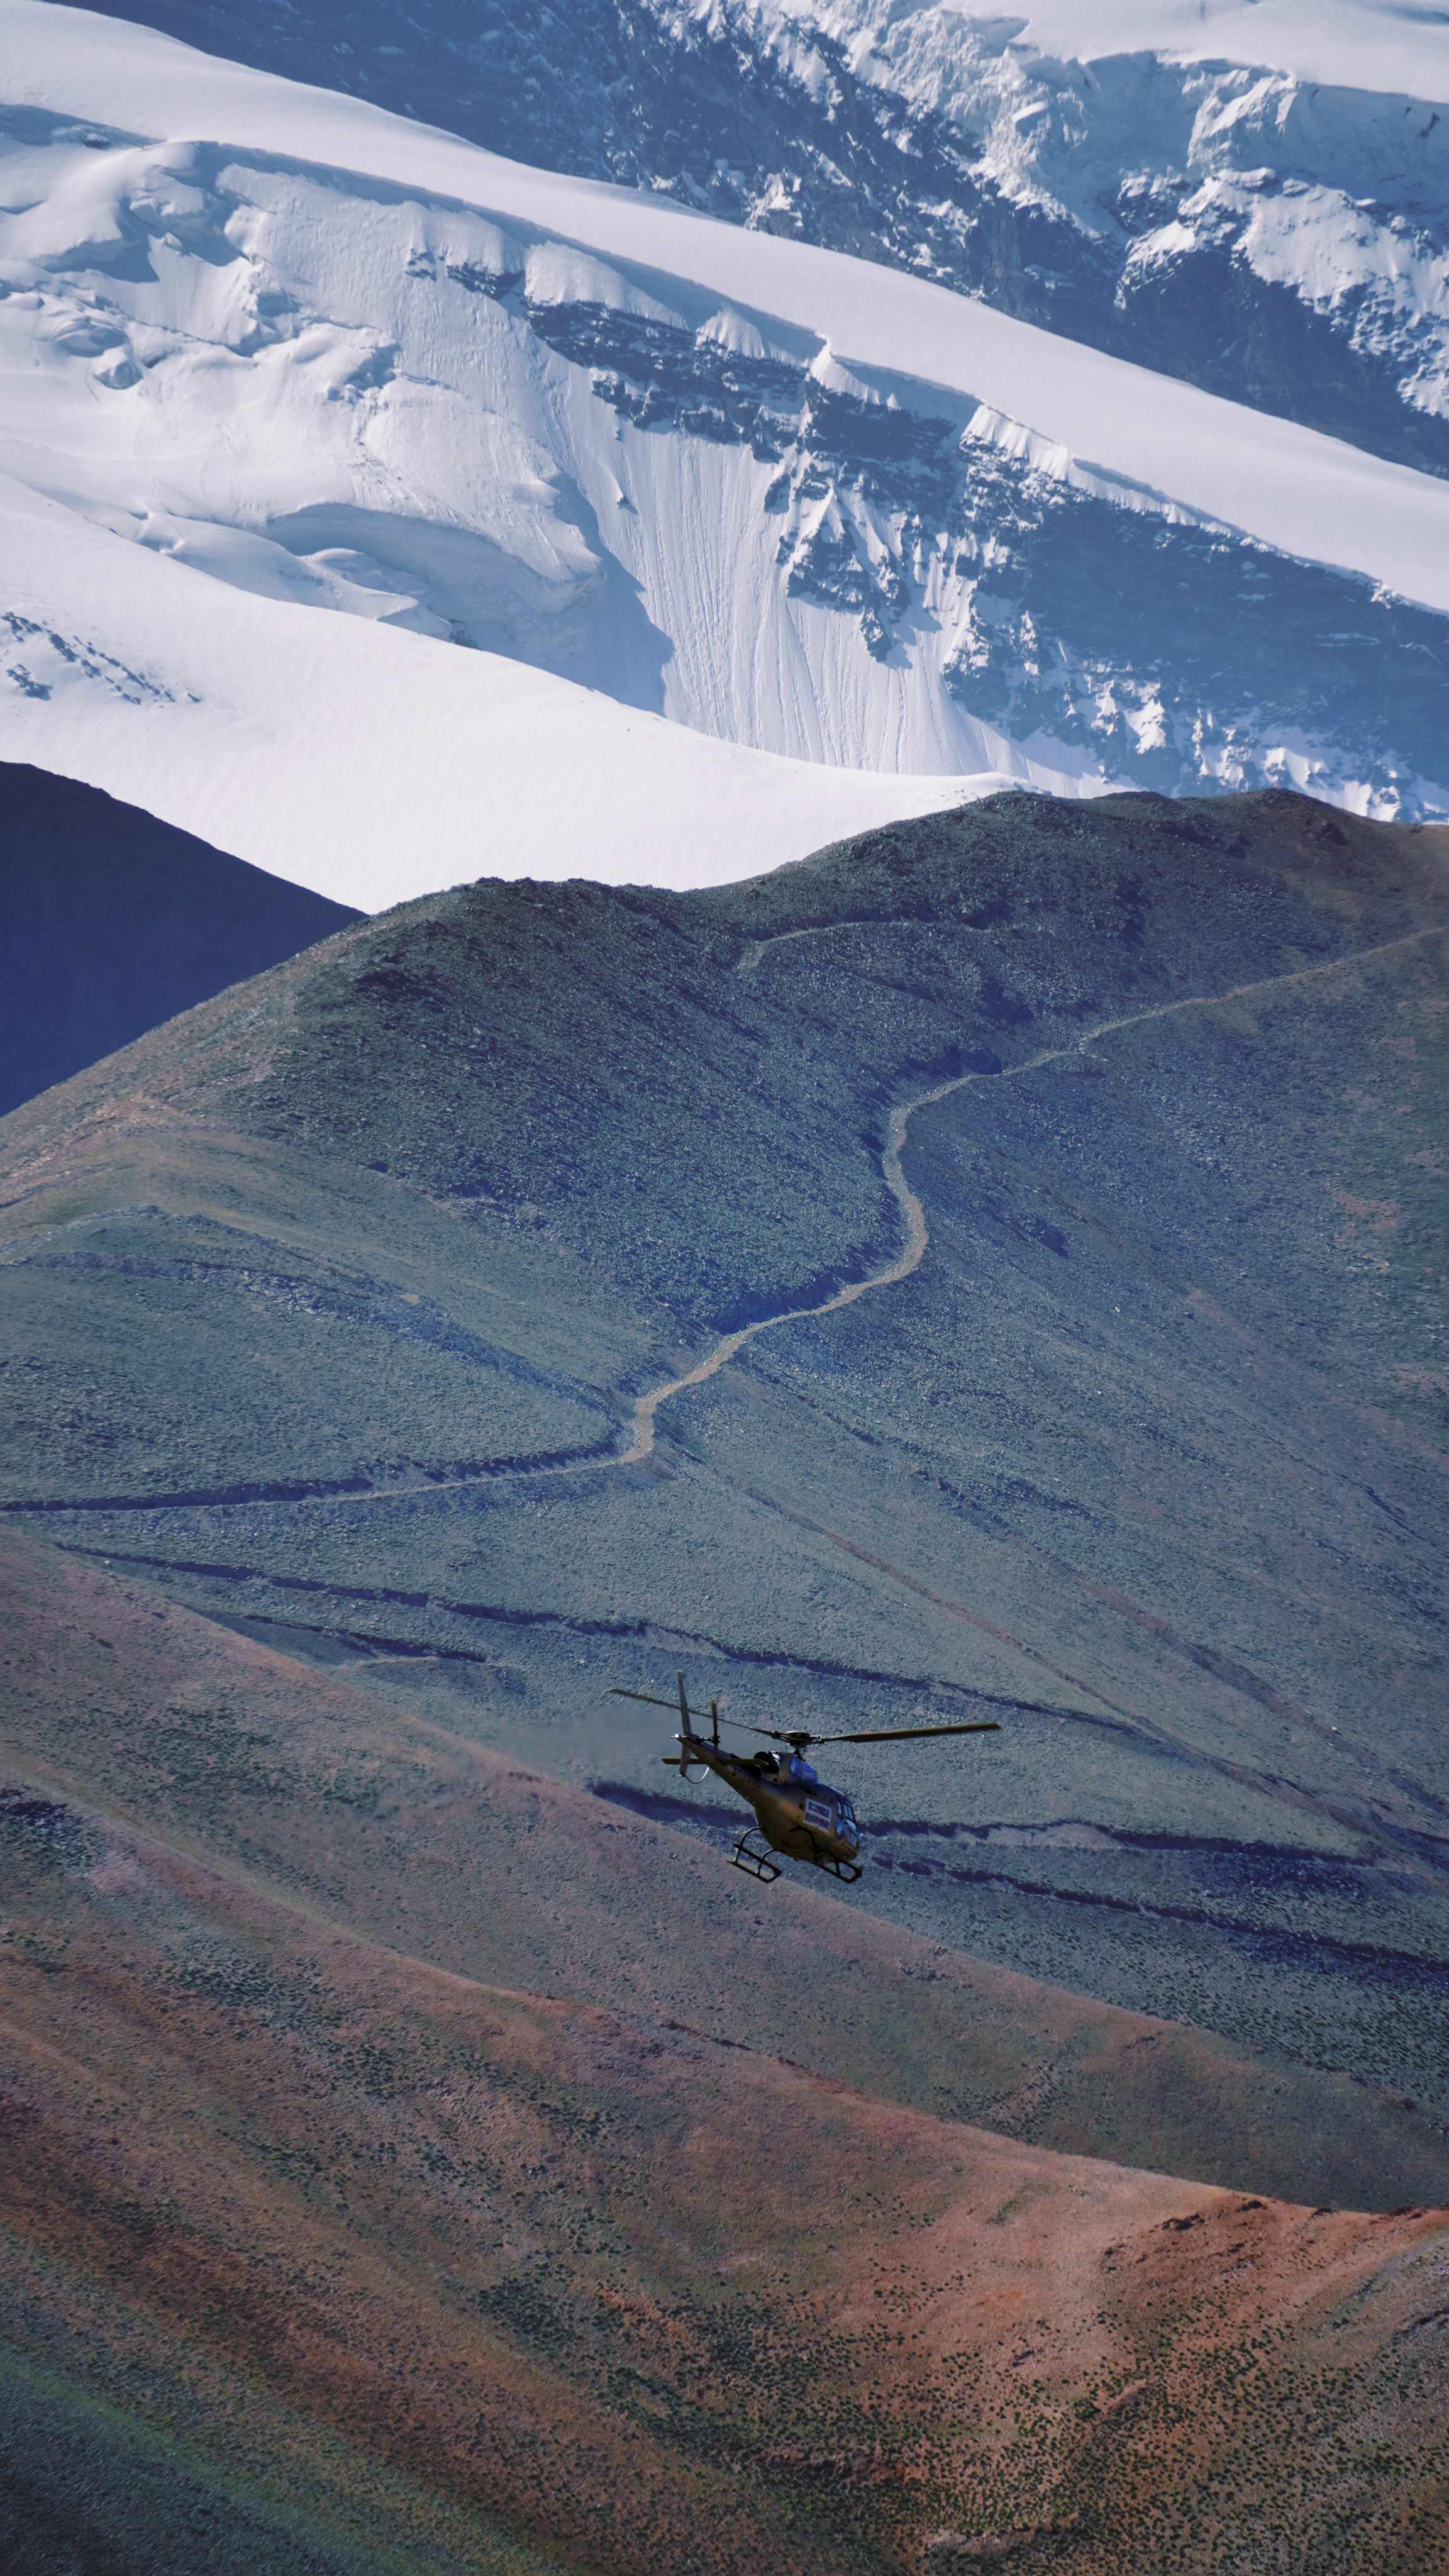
(1254,197)
(801,541)
(373,766)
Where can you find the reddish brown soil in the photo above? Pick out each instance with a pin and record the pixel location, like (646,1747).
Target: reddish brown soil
(643,2297)
(377,1821)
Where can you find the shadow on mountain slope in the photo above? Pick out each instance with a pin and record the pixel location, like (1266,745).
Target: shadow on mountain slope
(115,921)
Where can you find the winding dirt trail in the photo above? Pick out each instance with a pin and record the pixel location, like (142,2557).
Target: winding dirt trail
(917,1239)
(917,1232)
(646,1407)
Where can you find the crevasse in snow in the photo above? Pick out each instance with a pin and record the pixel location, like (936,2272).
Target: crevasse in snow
(350,398)
(1252,195)
(341,453)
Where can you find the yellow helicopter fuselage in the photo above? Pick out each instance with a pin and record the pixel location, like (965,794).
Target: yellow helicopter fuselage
(798,1813)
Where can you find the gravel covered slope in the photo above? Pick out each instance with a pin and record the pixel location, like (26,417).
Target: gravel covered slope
(332,1302)
(328,2249)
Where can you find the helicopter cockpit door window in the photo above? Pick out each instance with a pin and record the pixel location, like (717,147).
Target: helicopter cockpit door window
(829,1812)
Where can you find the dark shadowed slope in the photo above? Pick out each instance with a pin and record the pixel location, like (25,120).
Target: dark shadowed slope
(114,921)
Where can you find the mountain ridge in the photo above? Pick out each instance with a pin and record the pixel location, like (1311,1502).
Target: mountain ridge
(431,2146)
(650,1120)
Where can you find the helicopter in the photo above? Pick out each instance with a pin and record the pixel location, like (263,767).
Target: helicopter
(796,1812)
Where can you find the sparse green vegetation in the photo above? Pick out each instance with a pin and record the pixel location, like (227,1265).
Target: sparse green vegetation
(327,1308)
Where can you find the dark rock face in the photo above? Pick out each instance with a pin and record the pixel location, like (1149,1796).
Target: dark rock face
(718,111)
(114,921)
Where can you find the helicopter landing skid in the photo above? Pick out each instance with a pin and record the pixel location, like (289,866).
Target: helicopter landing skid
(847,1871)
(755,1864)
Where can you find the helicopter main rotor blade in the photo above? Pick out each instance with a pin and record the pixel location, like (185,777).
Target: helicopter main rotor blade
(617,1691)
(798,1736)
(898,1734)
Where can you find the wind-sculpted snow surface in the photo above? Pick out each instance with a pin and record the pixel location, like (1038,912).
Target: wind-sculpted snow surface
(1254,198)
(360,397)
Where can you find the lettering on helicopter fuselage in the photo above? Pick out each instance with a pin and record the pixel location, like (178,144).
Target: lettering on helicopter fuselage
(818,1814)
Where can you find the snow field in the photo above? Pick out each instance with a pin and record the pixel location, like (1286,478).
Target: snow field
(322,360)
(386,765)
(1394,45)
(1297,491)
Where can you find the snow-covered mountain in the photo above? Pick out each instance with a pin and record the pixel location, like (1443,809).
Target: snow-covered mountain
(1250,194)
(268,349)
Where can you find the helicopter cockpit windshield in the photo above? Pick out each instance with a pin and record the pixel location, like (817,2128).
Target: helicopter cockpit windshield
(819,1823)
